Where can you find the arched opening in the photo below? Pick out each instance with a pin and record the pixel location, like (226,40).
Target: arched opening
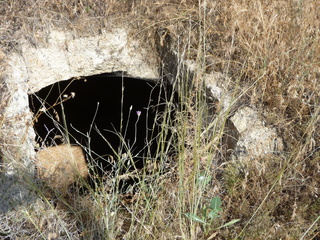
(110,115)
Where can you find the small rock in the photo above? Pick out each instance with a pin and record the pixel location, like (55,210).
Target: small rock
(61,166)
(256,139)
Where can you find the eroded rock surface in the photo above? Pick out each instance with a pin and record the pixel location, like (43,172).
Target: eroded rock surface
(254,138)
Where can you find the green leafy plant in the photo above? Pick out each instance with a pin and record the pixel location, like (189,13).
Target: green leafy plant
(209,214)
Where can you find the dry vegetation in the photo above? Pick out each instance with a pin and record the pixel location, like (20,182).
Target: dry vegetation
(269,48)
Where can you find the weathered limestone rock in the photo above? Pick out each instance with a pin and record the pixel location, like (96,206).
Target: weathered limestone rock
(65,57)
(255,138)
(61,56)
(61,166)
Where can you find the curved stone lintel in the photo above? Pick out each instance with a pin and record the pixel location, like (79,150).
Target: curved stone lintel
(65,57)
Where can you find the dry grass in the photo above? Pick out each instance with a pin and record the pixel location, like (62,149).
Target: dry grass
(271,49)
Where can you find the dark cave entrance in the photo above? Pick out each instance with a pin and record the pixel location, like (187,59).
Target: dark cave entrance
(107,114)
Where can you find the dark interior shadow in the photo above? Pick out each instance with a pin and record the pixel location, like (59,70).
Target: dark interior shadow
(107,114)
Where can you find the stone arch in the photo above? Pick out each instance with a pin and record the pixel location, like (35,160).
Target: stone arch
(63,57)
